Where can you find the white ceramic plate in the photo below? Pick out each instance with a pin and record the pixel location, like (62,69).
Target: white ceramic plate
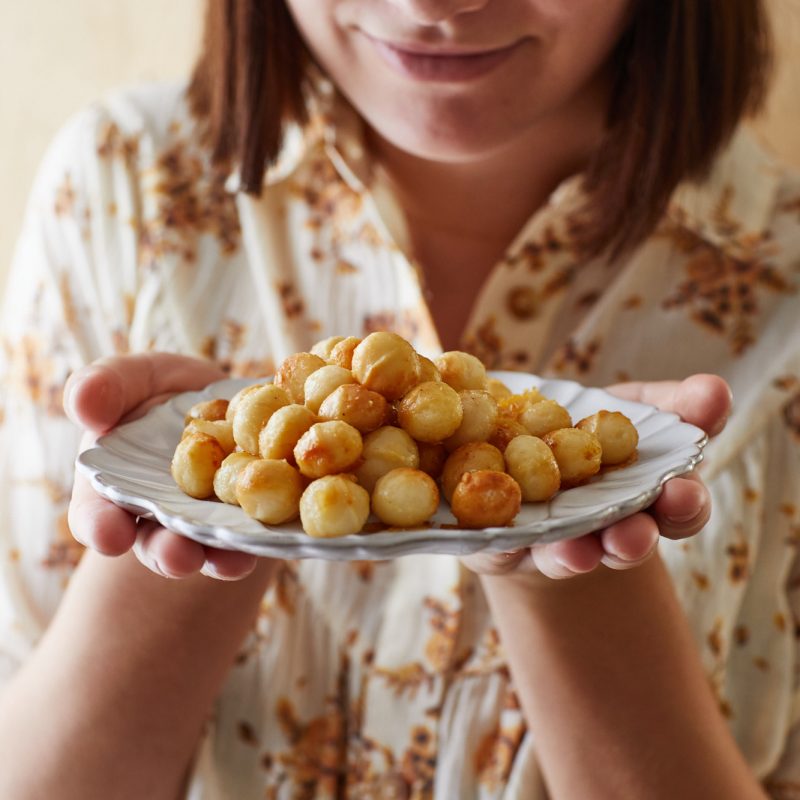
(131,467)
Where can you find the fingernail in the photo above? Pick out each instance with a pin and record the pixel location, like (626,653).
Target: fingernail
(682,519)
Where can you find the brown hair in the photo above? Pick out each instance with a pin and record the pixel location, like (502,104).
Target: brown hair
(686,73)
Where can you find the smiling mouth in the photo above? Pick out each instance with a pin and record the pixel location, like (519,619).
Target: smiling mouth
(425,63)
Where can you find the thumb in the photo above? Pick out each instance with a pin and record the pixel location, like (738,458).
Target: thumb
(98,396)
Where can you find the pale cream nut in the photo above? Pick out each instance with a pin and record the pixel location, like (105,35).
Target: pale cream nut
(405,497)
(334,506)
(269,491)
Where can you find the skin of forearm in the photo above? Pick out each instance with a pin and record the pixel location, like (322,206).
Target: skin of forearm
(613,690)
(113,701)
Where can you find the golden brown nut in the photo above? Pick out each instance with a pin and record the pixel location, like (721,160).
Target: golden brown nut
(327,448)
(430,412)
(233,403)
(531,463)
(293,372)
(269,491)
(324,347)
(228,474)
(468,458)
(513,405)
(334,506)
(342,353)
(478,422)
(253,412)
(283,430)
(323,382)
(220,429)
(385,363)
(506,429)
(498,389)
(211,410)
(405,497)
(544,416)
(432,458)
(486,499)
(384,450)
(426,370)
(577,452)
(196,459)
(461,370)
(617,434)
(365,410)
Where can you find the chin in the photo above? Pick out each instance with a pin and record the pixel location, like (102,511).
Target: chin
(445,132)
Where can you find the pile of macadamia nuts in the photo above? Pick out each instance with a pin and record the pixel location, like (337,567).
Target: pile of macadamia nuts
(360,425)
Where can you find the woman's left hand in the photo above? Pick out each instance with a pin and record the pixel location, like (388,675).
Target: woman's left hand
(682,509)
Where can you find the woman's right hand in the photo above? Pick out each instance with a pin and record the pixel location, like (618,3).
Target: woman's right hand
(120,389)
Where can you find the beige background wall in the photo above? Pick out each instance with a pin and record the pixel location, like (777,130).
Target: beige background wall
(57,55)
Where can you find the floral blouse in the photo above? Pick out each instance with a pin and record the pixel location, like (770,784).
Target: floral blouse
(387,679)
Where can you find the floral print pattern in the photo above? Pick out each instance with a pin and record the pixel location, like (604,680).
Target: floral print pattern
(383,680)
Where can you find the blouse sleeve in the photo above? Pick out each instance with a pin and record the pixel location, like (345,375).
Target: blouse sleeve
(69,300)
(783,782)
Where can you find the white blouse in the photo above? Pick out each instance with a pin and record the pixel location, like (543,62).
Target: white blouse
(390,676)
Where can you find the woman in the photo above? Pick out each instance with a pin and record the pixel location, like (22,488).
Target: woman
(520,178)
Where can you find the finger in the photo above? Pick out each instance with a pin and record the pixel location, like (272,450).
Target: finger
(703,400)
(98,396)
(97,523)
(630,542)
(568,558)
(228,565)
(168,553)
(497,563)
(683,508)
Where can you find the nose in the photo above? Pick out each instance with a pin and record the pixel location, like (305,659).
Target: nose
(432,12)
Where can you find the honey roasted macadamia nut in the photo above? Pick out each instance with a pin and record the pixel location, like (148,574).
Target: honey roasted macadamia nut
(461,370)
(544,416)
(269,491)
(486,499)
(360,407)
(342,352)
(432,458)
(430,412)
(531,463)
(233,404)
(426,370)
(253,412)
(327,448)
(324,347)
(478,421)
(513,405)
(468,458)
(405,497)
(323,382)
(384,450)
(385,363)
(334,506)
(228,474)
(498,389)
(617,434)
(505,430)
(292,374)
(211,410)
(283,430)
(577,452)
(195,462)
(220,429)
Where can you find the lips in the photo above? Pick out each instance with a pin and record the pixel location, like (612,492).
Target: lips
(444,64)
